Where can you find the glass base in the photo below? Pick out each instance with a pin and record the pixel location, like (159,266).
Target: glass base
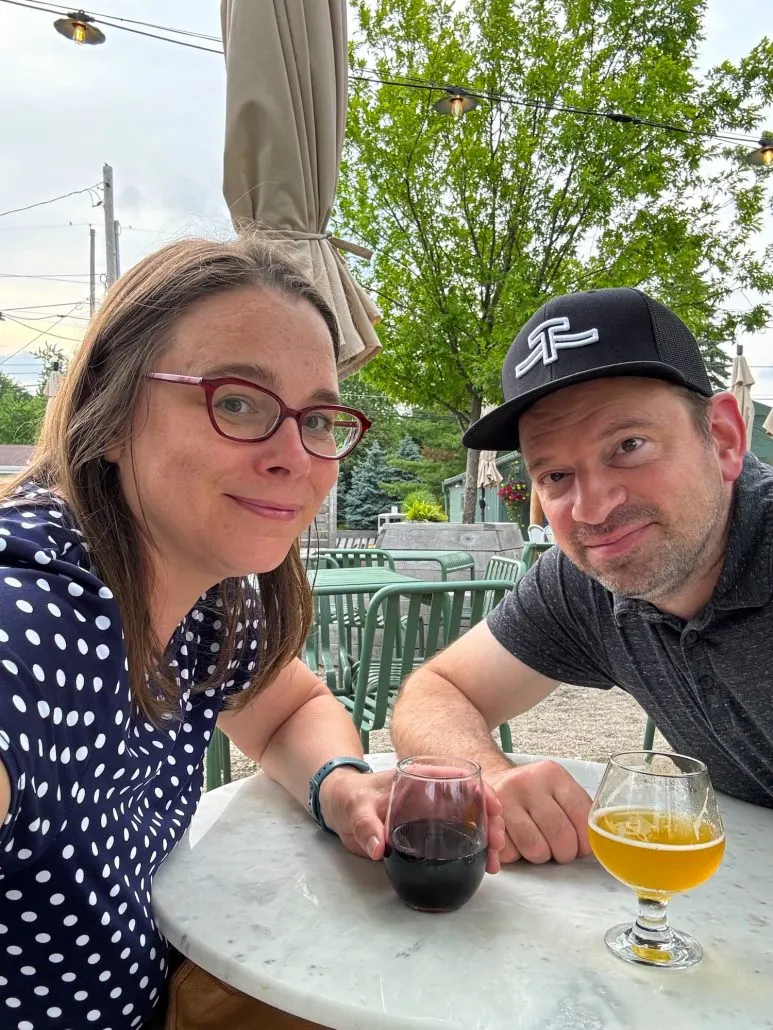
(668,949)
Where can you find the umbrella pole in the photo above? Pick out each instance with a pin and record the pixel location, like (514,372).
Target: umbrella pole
(482,503)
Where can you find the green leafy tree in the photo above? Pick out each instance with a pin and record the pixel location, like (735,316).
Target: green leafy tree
(476,221)
(366,498)
(20,412)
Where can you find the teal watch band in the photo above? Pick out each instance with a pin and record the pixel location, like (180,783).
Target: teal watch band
(318,778)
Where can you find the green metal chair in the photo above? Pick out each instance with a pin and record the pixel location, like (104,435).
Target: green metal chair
(649,734)
(357,557)
(532,551)
(218,760)
(405,625)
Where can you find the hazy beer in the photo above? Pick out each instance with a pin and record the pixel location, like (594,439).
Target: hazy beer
(655,853)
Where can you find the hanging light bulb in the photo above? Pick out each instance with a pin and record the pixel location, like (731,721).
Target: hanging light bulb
(764,154)
(457,103)
(80,28)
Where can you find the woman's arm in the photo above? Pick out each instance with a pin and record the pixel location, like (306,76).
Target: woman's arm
(292,728)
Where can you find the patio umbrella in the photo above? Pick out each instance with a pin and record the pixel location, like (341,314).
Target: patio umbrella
(741,382)
(286,101)
(767,425)
(488,473)
(53,382)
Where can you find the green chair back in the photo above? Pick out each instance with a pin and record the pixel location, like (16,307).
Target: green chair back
(532,551)
(360,557)
(406,624)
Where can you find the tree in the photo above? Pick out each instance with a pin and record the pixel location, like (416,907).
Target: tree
(475,222)
(412,470)
(408,450)
(365,498)
(20,412)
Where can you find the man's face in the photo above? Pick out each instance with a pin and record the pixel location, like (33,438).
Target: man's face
(635,496)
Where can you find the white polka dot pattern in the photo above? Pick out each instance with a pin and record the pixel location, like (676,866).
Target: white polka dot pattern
(99,795)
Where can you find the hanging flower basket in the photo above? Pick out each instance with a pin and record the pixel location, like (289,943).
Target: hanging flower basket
(513,493)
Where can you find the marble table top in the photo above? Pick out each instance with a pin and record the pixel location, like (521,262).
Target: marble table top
(260,897)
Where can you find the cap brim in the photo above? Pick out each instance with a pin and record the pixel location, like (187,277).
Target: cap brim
(498,431)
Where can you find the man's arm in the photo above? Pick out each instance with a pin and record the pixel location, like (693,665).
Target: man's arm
(292,728)
(451,704)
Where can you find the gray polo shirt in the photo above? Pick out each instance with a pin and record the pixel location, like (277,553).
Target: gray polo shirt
(707,682)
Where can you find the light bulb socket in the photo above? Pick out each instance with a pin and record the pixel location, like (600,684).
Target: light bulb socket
(80,28)
(457,102)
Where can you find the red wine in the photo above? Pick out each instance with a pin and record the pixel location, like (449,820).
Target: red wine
(435,865)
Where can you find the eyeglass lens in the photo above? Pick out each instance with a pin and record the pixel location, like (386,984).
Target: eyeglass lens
(245,414)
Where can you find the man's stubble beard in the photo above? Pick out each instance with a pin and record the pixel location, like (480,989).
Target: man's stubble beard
(661,571)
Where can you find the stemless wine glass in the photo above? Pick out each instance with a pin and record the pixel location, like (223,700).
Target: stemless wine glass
(437,834)
(655,826)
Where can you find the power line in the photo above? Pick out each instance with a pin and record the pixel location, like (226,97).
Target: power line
(27,345)
(40,307)
(414,83)
(45,332)
(53,200)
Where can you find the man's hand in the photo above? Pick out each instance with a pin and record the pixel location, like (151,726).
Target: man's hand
(354,805)
(545,812)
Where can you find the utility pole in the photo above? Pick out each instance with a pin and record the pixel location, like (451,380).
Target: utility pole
(111,263)
(116,234)
(92,271)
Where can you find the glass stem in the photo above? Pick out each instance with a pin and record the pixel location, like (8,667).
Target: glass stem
(651,928)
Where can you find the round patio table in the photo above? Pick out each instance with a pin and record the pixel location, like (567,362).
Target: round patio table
(261,898)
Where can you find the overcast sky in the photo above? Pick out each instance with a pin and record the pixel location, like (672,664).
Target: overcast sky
(154,111)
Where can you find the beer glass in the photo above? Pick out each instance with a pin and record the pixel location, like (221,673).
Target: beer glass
(655,826)
(437,837)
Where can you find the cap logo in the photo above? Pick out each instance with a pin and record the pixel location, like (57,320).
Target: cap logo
(548,338)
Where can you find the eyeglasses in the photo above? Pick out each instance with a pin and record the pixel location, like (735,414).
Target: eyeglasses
(240,410)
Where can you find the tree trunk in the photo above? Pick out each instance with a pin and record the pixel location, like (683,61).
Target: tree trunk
(471,475)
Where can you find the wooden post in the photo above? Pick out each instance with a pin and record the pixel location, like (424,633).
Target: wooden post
(536,515)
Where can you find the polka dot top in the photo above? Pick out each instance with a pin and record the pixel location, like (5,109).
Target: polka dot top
(99,796)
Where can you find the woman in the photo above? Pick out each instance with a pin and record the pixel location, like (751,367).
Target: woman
(192,443)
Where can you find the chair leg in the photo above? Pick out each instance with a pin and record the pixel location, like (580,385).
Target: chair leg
(649,734)
(506,737)
(365,739)
(218,760)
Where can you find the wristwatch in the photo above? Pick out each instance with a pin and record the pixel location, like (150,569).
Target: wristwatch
(318,778)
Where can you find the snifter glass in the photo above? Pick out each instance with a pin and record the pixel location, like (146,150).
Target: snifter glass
(656,827)
(437,832)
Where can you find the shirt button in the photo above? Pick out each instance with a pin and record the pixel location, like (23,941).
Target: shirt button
(707,682)
(690,637)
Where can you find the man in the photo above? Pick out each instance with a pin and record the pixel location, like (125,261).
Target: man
(662,579)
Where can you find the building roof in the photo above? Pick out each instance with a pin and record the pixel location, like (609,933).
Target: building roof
(15,455)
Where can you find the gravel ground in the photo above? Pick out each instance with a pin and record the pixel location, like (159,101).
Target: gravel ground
(574,722)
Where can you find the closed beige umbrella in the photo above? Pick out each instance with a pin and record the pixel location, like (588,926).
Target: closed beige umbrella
(767,425)
(741,382)
(488,473)
(286,100)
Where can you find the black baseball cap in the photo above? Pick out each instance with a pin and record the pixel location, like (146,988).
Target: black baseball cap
(591,335)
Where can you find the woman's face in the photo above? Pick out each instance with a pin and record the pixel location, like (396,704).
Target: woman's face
(216,507)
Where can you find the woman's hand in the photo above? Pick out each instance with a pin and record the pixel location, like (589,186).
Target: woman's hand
(354,805)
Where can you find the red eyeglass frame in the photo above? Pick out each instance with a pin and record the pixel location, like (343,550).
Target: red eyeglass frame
(209,386)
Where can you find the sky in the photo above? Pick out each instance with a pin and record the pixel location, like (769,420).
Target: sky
(154,112)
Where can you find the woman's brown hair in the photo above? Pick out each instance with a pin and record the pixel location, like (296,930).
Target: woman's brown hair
(93,412)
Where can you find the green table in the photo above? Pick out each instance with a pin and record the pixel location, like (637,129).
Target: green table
(448,561)
(363,580)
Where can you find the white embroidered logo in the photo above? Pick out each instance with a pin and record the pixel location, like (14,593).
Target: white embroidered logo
(548,339)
